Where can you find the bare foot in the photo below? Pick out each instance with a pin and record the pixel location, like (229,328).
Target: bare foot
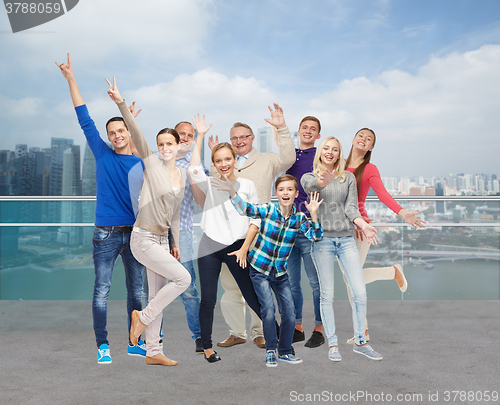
(208,352)
(136,328)
(160,360)
(318,328)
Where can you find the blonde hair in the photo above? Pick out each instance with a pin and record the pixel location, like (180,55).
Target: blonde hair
(339,166)
(223,145)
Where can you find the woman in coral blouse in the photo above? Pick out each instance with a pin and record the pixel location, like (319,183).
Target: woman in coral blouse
(368,176)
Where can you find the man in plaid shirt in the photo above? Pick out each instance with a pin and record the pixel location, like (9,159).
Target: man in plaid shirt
(190,297)
(280,223)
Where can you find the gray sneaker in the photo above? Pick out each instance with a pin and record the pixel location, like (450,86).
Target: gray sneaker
(367,350)
(333,354)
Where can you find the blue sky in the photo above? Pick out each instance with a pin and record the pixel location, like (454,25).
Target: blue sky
(424,75)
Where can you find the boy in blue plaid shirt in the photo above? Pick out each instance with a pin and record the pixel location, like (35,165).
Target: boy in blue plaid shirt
(280,223)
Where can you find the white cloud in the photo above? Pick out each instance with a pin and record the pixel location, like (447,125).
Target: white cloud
(114,31)
(431,123)
(439,118)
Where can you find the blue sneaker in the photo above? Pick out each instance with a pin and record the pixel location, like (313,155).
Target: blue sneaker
(271,359)
(289,358)
(103,354)
(138,350)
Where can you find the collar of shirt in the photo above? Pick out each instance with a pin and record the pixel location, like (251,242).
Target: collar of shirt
(241,159)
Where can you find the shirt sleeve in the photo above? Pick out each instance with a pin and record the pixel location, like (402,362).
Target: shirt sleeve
(200,177)
(351,204)
(96,144)
(375,182)
(312,230)
(248,209)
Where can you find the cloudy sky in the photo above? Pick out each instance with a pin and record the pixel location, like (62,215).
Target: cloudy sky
(425,75)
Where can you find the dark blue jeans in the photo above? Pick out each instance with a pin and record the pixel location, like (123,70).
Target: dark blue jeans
(302,252)
(263,284)
(211,255)
(106,246)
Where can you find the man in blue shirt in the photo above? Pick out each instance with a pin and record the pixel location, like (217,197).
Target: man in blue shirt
(114,216)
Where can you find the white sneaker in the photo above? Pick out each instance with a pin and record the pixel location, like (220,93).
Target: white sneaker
(333,354)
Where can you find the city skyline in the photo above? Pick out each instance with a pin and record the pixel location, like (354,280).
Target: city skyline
(423,74)
(63,170)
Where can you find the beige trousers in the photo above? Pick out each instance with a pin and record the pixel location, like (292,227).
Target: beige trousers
(233,308)
(153,251)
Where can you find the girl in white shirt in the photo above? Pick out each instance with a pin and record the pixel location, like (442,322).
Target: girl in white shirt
(226,238)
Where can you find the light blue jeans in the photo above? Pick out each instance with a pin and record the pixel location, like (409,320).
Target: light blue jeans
(346,250)
(190,297)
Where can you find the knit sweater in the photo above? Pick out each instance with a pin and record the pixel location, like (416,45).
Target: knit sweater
(340,204)
(159,206)
(263,168)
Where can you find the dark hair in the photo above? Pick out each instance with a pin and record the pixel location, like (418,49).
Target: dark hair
(115,119)
(311,118)
(170,131)
(286,177)
(358,173)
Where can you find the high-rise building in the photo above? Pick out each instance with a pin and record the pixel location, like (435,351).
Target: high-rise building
(88,172)
(57,148)
(266,139)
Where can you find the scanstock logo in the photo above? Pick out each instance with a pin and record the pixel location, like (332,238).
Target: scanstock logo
(27,14)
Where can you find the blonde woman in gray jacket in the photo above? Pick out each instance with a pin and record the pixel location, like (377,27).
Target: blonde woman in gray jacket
(159,212)
(339,215)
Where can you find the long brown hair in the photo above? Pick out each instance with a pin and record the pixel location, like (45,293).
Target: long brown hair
(358,173)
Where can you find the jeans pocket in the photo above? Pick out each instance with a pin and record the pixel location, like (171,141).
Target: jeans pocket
(100,235)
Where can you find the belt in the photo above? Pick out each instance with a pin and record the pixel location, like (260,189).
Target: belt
(123,228)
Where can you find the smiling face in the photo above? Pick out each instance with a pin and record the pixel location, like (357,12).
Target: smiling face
(364,140)
(118,135)
(167,146)
(308,133)
(330,153)
(186,133)
(242,140)
(224,161)
(286,192)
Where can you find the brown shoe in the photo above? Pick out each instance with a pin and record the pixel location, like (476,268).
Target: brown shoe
(160,360)
(260,342)
(136,328)
(231,341)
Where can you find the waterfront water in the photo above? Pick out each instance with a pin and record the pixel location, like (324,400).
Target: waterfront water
(459,280)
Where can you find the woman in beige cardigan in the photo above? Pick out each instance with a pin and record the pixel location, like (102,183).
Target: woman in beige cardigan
(159,211)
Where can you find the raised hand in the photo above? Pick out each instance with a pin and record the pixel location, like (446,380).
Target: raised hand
(314,203)
(200,126)
(224,184)
(326,177)
(113,91)
(131,108)
(211,142)
(66,69)
(411,219)
(277,119)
